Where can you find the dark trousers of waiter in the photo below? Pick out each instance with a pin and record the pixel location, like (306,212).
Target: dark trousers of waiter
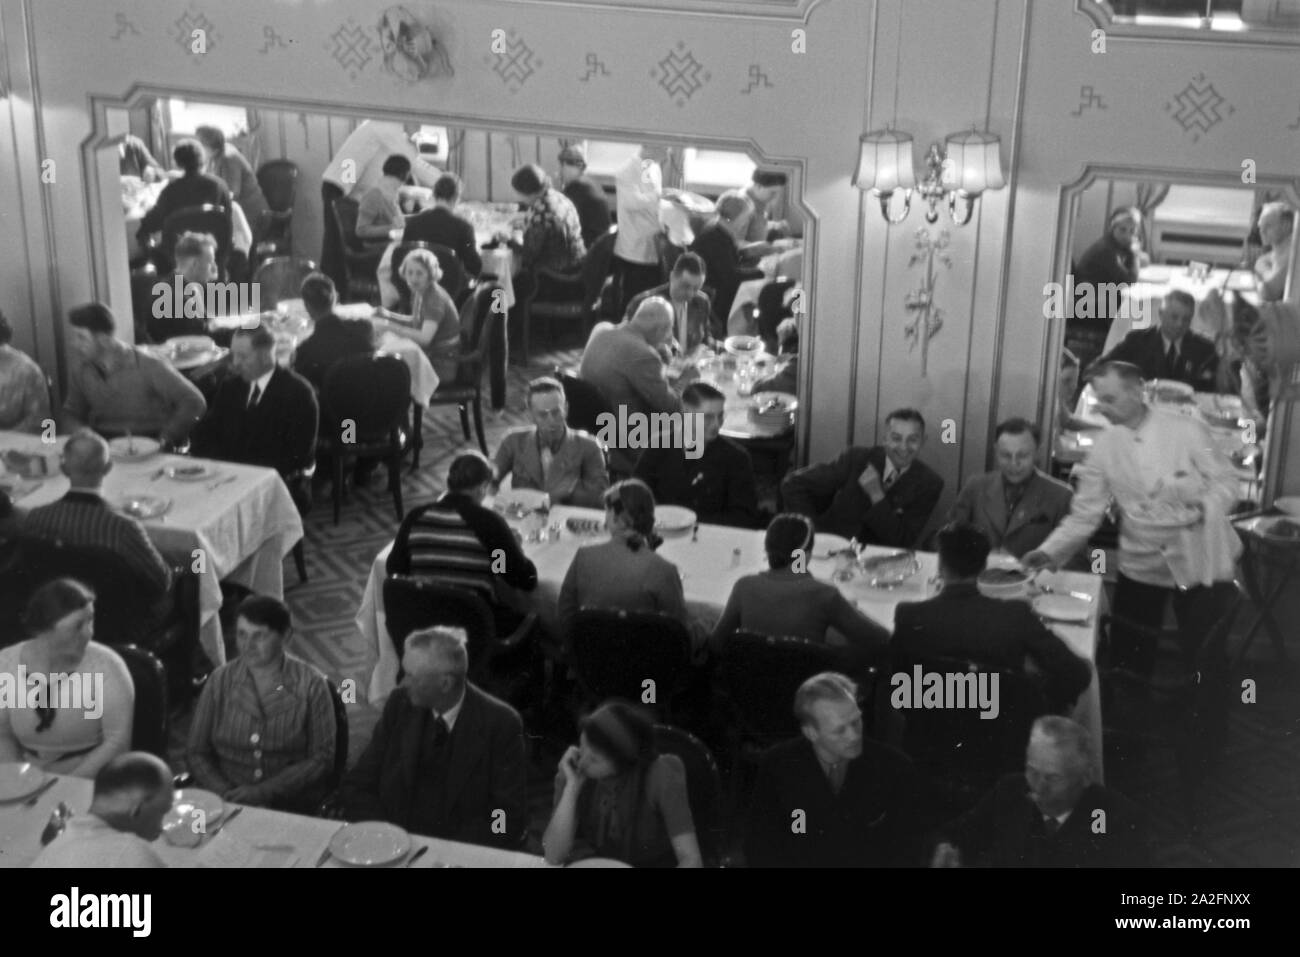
(633,278)
(1195,610)
(331,253)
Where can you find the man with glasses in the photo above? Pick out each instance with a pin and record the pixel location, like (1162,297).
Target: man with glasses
(446,759)
(566,463)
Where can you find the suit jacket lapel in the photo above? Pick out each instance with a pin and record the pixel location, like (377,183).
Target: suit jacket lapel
(995,504)
(467,745)
(530,458)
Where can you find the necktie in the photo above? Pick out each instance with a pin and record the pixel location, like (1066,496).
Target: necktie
(440,731)
(889,480)
(683,327)
(547,457)
(253,396)
(1051,825)
(1171,358)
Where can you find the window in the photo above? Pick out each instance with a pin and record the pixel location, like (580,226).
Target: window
(714,171)
(604,157)
(1227,15)
(184,117)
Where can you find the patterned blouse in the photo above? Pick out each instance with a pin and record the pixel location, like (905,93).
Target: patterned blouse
(552,234)
(24,399)
(286,751)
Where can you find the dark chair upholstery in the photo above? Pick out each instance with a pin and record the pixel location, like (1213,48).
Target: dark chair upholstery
(480,327)
(613,652)
(585,401)
(411,603)
(703,788)
(273,231)
(149,727)
(772,309)
(340,737)
(600,288)
(280,278)
(1184,705)
(454,277)
(360,258)
(373,392)
(213,220)
(143,279)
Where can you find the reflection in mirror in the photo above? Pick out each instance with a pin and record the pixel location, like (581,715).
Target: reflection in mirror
(1226,18)
(1170,276)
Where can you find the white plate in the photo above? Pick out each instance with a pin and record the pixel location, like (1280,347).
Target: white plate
(514,498)
(1267,527)
(1171,519)
(589,862)
(18,781)
(370,844)
(1172,386)
(1289,504)
(785,403)
(826,543)
(673,518)
(190,471)
(1062,608)
(184,346)
(134,448)
(143,507)
(193,362)
(890,569)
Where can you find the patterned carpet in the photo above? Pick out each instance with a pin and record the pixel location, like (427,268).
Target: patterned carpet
(1249,810)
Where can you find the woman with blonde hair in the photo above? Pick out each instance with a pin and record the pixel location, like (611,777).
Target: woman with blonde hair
(434,321)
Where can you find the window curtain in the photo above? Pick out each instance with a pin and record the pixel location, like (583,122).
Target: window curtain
(456,151)
(1149,196)
(158,144)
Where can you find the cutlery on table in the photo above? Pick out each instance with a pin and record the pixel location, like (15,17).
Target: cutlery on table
(36,796)
(224,821)
(416,856)
(325,854)
(220,482)
(1081,595)
(157,475)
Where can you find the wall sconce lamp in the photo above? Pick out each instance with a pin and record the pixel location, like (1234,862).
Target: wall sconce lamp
(965,167)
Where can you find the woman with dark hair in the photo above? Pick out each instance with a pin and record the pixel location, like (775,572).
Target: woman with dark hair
(263,730)
(77,723)
(624,572)
(616,797)
(786,600)
(1114,259)
(552,229)
(230,166)
(24,397)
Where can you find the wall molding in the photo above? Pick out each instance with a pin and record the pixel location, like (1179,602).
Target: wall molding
(1127,30)
(794,10)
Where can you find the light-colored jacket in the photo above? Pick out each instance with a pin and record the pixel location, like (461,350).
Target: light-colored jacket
(577,475)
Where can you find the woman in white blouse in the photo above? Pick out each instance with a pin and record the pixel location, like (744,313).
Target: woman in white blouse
(96,726)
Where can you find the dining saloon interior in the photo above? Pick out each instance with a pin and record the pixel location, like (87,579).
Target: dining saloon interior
(603,433)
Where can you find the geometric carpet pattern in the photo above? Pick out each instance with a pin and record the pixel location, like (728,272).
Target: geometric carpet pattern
(1249,809)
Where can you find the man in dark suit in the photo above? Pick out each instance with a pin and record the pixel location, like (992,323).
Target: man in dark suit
(959,622)
(263,414)
(194,188)
(718,483)
(1052,815)
(833,798)
(332,338)
(693,321)
(566,463)
(585,194)
(1169,350)
(446,760)
(880,496)
(440,224)
(1016,506)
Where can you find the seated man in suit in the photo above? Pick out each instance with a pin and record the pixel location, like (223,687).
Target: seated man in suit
(440,224)
(959,622)
(446,760)
(196,263)
(332,338)
(1017,506)
(1170,350)
(718,485)
(693,321)
(565,463)
(132,795)
(263,414)
(880,496)
(82,517)
(1051,816)
(858,798)
(457,540)
(624,363)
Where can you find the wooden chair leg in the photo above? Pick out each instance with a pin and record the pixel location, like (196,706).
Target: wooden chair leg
(478,422)
(338,483)
(417,435)
(300,559)
(464,420)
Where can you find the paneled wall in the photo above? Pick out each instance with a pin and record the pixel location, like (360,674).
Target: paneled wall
(800,82)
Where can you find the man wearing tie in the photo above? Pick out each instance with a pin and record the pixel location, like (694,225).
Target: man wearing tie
(263,415)
(566,463)
(880,496)
(1170,350)
(693,320)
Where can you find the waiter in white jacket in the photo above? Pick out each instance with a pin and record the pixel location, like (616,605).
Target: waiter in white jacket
(1150,457)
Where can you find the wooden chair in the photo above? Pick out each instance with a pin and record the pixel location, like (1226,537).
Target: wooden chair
(273,232)
(615,651)
(280,278)
(479,324)
(703,789)
(149,725)
(360,258)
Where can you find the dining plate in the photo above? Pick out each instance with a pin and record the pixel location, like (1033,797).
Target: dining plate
(20,780)
(1278,528)
(599,862)
(743,345)
(1163,515)
(144,507)
(673,518)
(827,544)
(190,471)
(1062,608)
(893,568)
(370,844)
(187,362)
(519,501)
(133,448)
(181,346)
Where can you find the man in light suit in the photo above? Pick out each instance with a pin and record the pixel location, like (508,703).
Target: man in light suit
(693,320)
(1016,506)
(446,759)
(880,496)
(566,463)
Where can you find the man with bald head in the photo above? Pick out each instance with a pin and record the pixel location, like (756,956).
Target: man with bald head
(446,759)
(82,518)
(133,793)
(626,365)
(1053,815)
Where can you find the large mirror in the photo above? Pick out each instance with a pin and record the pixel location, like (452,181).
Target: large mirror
(1248,21)
(1167,270)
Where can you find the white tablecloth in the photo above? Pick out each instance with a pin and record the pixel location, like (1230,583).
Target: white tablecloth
(788,262)
(303,839)
(244,527)
(710,568)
